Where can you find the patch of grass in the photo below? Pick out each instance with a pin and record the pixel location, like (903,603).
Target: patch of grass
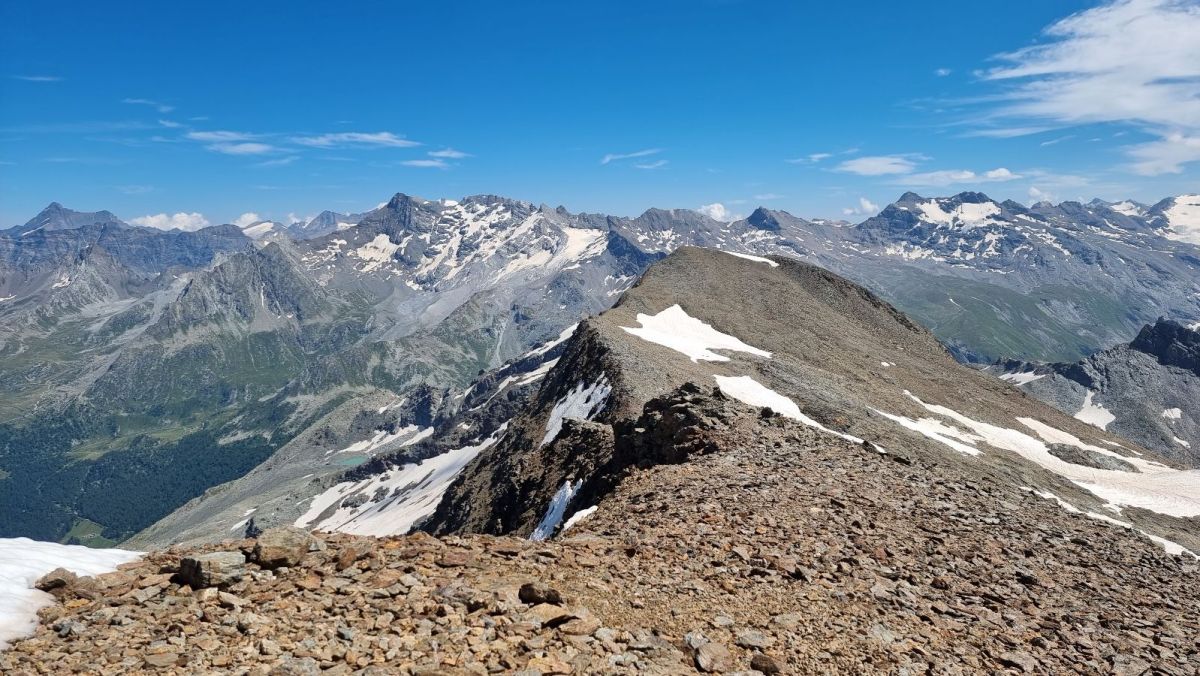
(87,533)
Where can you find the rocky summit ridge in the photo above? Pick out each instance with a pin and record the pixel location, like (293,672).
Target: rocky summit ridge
(749,464)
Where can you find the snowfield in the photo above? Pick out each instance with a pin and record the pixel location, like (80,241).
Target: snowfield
(689,336)
(23,561)
(1152,486)
(392,502)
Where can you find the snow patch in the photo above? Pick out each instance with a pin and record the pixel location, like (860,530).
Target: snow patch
(749,391)
(23,561)
(556,509)
(579,516)
(566,333)
(581,403)
(1093,413)
(377,252)
(1019,379)
(757,259)
(689,336)
(1172,413)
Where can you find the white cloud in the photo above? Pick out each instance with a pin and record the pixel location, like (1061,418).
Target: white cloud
(220,136)
(247,219)
(448,153)
(878,165)
(1008,132)
(1166,155)
(766,196)
(38,78)
(278,162)
(179,221)
(718,212)
(612,157)
(811,158)
(1127,61)
(656,164)
(170,124)
(865,208)
(1036,194)
(426,164)
(160,107)
(249,148)
(942,72)
(381,139)
(948,177)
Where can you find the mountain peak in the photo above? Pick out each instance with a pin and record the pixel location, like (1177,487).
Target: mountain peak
(764,219)
(1172,343)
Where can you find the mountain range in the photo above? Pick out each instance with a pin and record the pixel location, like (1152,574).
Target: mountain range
(747,464)
(152,368)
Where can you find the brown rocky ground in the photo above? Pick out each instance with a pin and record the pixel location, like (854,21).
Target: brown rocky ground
(773,547)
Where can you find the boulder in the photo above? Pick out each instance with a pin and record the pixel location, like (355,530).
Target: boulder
(55,579)
(278,547)
(215,569)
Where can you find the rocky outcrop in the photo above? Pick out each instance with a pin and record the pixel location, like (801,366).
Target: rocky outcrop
(1147,391)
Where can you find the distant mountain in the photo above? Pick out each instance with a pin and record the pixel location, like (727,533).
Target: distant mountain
(1177,218)
(992,279)
(1147,391)
(131,347)
(57,217)
(323,224)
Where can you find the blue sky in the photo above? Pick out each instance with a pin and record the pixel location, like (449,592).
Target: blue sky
(201,112)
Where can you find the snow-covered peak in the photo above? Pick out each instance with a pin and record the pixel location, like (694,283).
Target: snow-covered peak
(261,229)
(1182,218)
(1128,208)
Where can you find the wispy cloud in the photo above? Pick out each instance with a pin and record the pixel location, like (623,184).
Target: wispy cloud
(811,158)
(879,165)
(426,164)
(37,78)
(135,189)
(768,196)
(170,124)
(613,157)
(942,72)
(245,148)
(1008,132)
(179,221)
(160,107)
(947,177)
(1127,61)
(220,136)
(1056,141)
(448,153)
(382,139)
(656,164)
(278,162)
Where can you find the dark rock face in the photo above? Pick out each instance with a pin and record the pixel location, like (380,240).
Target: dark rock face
(1171,343)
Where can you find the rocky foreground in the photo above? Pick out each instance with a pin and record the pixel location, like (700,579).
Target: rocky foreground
(768,547)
